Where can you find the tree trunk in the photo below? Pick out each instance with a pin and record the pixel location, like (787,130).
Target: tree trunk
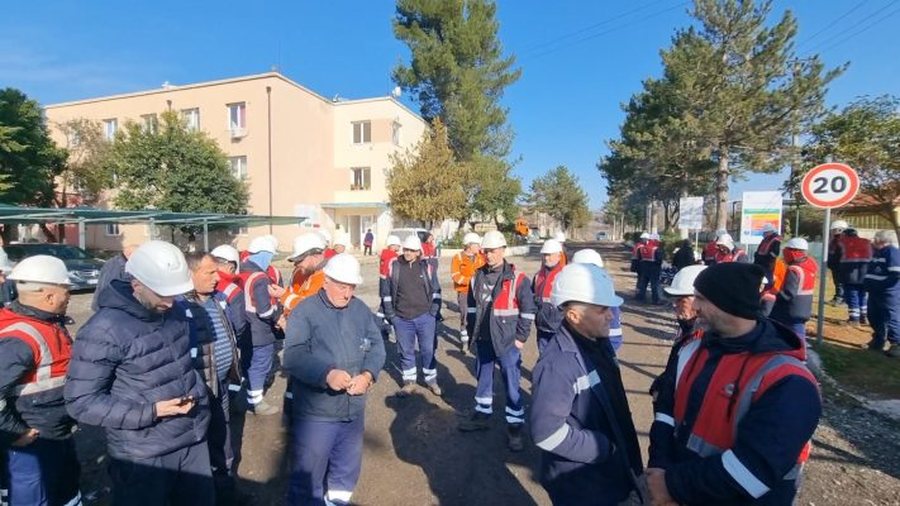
(722,190)
(51,237)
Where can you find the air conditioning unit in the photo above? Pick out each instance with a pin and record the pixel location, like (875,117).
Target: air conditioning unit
(237,132)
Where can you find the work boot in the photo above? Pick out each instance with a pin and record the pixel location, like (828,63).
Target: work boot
(514,434)
(435,389)
(408,388)
(263,408)
(854,322)
(893,351)
(863,320)
(874,345)
(478,421)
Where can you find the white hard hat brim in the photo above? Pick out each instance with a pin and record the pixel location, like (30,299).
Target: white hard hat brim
(178,289)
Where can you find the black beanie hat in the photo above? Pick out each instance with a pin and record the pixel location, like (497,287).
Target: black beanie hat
(733,287)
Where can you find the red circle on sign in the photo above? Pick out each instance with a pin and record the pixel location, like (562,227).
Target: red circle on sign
(813,182)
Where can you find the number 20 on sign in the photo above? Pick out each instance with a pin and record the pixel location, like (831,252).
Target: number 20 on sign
(830,185)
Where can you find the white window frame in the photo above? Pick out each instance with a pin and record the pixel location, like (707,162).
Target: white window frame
(359,131)
(395,132)
(191,118)
(240,172)
(150,123)
(110,124)
(359,184)
(112,230)
(240,125)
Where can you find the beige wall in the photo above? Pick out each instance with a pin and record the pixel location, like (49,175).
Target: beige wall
(312,145)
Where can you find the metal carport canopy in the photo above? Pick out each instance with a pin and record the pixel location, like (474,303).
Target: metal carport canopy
(89,215)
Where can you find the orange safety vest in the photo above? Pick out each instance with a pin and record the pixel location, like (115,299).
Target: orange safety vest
(463,268)
(739,380)
(51,347)
(301,288)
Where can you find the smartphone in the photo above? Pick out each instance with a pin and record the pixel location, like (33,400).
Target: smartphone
(186,400)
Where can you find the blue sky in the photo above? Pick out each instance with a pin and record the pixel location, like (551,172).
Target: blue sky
(580,59)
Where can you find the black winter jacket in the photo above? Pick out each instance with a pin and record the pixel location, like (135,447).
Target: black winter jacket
(126,359)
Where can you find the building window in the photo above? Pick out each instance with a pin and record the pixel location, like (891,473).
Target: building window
(238,167)
(150,123)
(362,132)
(395,133)
(237,118)
(191,118)
(362,178)
(112,230)
(110,127)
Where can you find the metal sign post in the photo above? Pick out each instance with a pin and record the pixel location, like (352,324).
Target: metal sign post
(823,271)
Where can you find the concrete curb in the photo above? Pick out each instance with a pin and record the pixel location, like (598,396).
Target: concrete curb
(887,407)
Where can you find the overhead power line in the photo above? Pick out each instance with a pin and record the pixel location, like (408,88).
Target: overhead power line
(861,31)
(854,26)
(832,23)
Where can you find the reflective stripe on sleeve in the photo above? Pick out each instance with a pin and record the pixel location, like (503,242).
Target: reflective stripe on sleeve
(664,418)
(554,440)
(743,476)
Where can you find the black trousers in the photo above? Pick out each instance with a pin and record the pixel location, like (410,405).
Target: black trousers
(180,478)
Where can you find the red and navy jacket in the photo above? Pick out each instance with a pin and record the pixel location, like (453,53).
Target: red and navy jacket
(548,316)
(855,256)
(511,305)
(743,411)
(650,254)
(709,253)
(229,285)
(883,277)
(793,303)
(767,251)
(735,255)
(262,310)
(35,350)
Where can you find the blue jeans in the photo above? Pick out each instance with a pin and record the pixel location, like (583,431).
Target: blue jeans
(44,473)
(510,362)
(260,365)
(326,457)
(421,330)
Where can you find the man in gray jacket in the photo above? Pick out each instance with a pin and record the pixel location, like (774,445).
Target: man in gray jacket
(333,351)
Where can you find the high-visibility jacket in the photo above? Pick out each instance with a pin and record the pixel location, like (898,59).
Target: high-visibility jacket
(462,268)
(793,303)
(736,255)
(273,273)
(767,252)
(548,316)
(709,253)
(302,286)
(856,254)
(263,310)
(35,400)
(387,254)
(511,306)
(650,254)
(230,285)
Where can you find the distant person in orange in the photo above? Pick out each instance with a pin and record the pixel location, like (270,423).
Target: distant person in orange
(462,268)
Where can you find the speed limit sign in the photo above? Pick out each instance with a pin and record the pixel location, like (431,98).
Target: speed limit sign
(830,185)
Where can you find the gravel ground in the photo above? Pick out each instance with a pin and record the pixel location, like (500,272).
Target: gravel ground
(415,455)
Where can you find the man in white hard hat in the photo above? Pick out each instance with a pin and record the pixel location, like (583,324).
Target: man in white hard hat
(712,248)
(260,244)
(215,350)
(590,256)
(333,352)
(650,256)
(501,311)
(728,251)
(462,268)
(411,297)
(263,310)
(882,283)
(597,459)
(834,259)
(548,318)
(114,268)
(229,284)
(767,252)
(793,302)
(132,374)
(41,466)
(855,255)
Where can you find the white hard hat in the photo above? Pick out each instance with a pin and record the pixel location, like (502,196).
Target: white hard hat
(769,228)
(725,240)
(226,252)
(493,239)
(273,240)
(683,282)
(393,240)
(262,243)
(584,283)
(560,236)
(797,243)
(645,235)
(5,265)
(344,268)
(41,269)
(654,236)
(551,246)
(587,256)
(161,267)
(839,224)
(471,238)
(305,243)
(412,242)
